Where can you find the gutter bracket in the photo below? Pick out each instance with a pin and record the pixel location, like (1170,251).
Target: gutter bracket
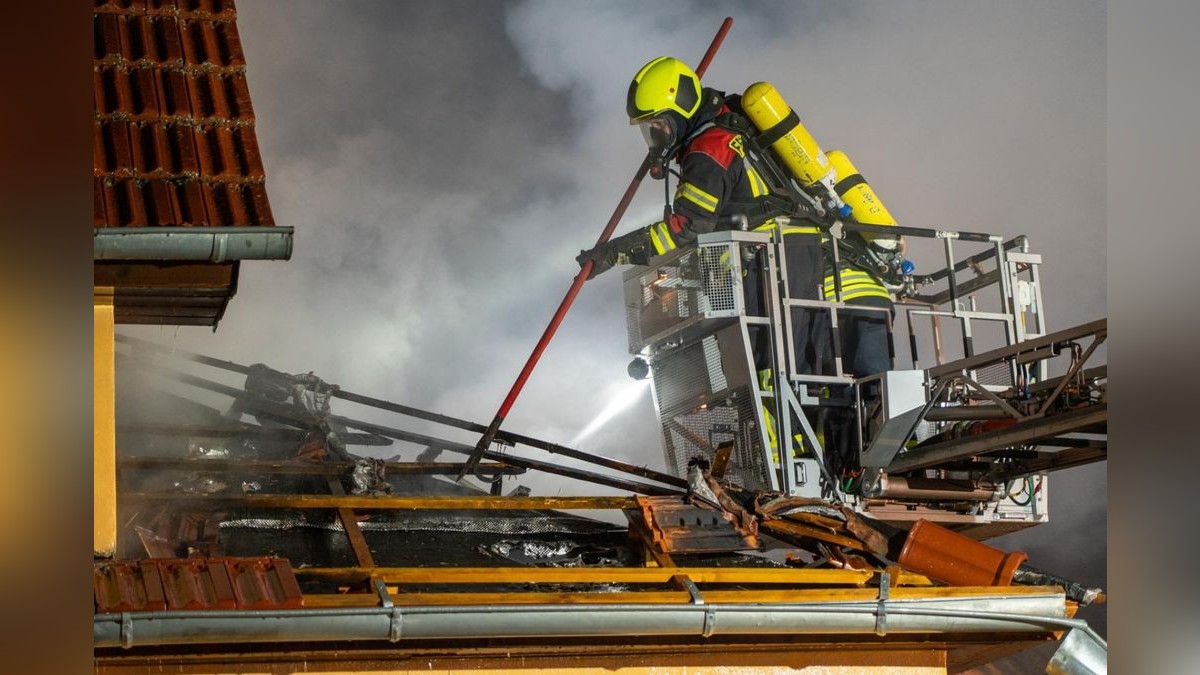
(395,625)
(691,588)
(220,246)
(710,621)
(126,630)
(385,598)
(395,616)
(885,582)
(710,612)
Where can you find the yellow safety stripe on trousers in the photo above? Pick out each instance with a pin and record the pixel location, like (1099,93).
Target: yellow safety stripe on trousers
(773,438)
(660,236)
(764,380)
(698,197)
(855,284)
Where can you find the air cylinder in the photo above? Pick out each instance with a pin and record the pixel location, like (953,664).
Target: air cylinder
(856,192)
(786,136)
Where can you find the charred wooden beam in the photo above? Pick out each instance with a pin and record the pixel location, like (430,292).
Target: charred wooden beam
(295,467)
(501,436)
(388,502)
(593,575)
(243,431)
(285,412)
(358,543)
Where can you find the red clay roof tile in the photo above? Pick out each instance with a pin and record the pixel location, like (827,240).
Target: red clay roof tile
(195,583)
(174,140)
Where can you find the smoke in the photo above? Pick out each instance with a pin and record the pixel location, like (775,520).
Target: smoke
(443,163)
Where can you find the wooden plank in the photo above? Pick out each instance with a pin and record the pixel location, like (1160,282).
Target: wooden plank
(126,276)
(794,529)
(357,542)
(718,597)
(284,501)
(595,575)
(296,467)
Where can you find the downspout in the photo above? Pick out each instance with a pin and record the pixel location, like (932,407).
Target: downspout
(212,244)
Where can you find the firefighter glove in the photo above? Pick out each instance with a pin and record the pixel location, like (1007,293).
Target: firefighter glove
(601,257)
(632,248)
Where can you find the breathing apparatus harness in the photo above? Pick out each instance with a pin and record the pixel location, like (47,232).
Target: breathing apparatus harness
(886,266)
(787,198)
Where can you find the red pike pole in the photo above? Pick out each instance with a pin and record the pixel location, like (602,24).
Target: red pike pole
(488,436)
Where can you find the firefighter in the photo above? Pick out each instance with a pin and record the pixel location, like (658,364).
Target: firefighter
(864,332)
(697,127)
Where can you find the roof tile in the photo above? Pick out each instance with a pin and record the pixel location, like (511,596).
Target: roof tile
(143,39)
(118,150)
(145,92)
(175,94)
(112,215)
(200,95)
(174,139)
(241,96)
(99,155)
(216,204)
(184,149)
(108,34)
(250,154)
(191,203)
(162,199)
(258,201)
(228,34)
(169,33)
(98,218)
(196,584)
(126,586)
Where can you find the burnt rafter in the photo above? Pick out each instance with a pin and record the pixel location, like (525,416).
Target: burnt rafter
(287,414)
(504,437)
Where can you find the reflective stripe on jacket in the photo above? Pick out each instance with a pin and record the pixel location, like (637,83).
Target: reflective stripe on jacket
(855,284)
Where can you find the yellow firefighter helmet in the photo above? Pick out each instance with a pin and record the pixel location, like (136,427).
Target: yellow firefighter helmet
(663,97)
(661,85)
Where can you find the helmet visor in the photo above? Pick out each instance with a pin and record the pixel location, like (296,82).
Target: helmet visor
(659,132)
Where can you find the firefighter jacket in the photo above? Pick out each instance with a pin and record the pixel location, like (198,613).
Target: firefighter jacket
(717,181)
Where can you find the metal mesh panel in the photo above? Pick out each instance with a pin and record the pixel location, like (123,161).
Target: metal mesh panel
(699,432)
(718,282)
(996,374)
(699,412)
(687,287)
(681,380)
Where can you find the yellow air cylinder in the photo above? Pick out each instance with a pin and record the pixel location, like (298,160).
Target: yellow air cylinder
(786,136)
(865,205)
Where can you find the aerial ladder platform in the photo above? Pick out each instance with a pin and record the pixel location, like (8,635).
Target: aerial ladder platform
(981,403)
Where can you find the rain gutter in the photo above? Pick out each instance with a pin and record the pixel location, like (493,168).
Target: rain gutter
(1025,613)
(212,244)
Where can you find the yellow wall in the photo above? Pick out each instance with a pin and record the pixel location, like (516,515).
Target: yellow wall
(104,439)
